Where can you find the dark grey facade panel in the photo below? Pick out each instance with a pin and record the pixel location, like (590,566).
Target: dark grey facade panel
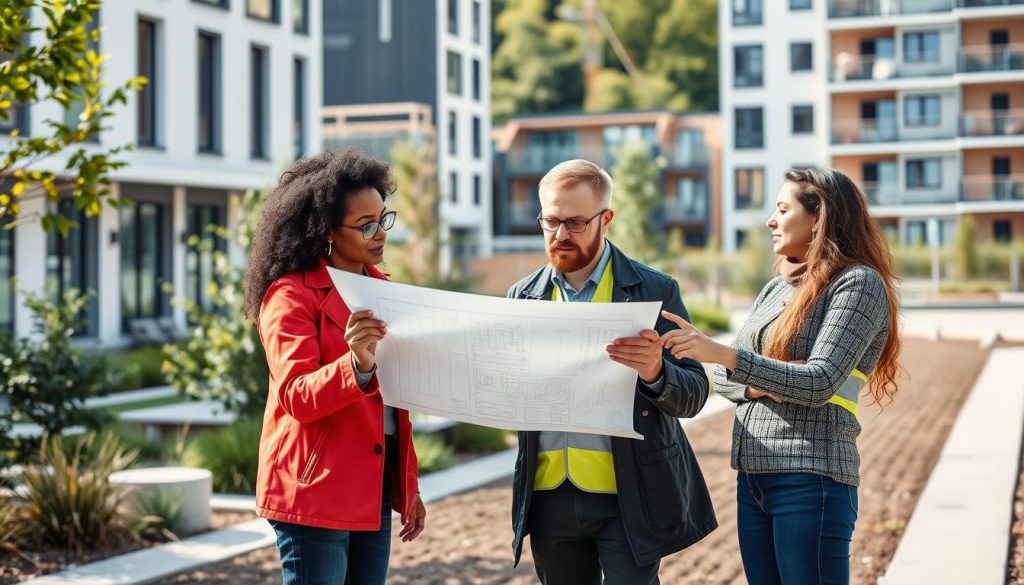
(360,69)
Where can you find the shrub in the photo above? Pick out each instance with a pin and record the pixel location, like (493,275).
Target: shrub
(46,379)
(231,453)
(432,453)
(70,502)
(710,320)
(139,368)
(477,439)
(155,515)
(12,526)
(147,449)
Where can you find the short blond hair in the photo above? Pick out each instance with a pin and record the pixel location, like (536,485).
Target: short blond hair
(574,172)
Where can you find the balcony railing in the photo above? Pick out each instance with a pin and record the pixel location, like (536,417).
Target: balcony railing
(993,188)
(992,123)
(675,210)
(858,131)
(537,161)
(847,67)
(984,3)
(881,193)
(985,58)
(856,8)
(688,156)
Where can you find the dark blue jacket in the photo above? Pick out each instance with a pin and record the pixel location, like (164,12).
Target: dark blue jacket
(664,501)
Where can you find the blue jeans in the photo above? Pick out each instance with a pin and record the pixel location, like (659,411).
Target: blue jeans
(795,528)
(324,556)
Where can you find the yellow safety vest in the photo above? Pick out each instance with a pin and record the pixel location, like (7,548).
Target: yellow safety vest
(585,459)
(849,393)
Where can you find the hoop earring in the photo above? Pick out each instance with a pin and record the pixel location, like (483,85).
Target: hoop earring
(330,244)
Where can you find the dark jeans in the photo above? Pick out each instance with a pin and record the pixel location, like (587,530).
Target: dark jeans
(575,536)
(795,528)
(323,556)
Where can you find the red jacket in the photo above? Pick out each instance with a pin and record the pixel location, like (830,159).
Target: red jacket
(322,449)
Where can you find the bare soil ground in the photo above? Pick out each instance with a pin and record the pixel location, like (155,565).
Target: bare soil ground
(468,536)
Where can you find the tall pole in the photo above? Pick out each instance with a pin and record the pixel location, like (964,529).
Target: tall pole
(593,54)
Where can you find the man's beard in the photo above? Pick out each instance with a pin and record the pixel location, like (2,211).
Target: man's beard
(567,261)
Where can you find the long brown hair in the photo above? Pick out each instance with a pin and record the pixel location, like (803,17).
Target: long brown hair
(846,236)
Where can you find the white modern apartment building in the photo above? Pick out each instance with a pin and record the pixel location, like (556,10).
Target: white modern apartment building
(418,69)
(233,96)
(921,102)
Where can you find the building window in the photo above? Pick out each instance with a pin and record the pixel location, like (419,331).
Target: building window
(478,189)
(924,173)
(71,263)
(800,4)
(922,110)
(546,149)
(6,274)
(217,3)
(746,12)
(749,126)
(147,67)
(453,186)
(615,137)
(454,73)
(748,66)
(300,16)
(692,198)
(750,188)
(1002,231)
(476,79)
(803,119)
(299,108)
(477,138)
(258,103)
(386,19)
(209,92)
(453,133)
(143,261)
(267,10)
(199,263)
(921,47)
(801,57)
(477,22)
(453,17)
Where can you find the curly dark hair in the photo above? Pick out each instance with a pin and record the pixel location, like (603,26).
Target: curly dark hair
(309,201)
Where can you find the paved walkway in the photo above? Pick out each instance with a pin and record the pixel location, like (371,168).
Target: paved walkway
(960,530)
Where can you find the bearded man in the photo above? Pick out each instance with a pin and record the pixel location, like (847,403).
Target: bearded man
(595,504)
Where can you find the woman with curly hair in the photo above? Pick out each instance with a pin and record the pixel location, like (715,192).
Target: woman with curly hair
(825,328)
(334,461)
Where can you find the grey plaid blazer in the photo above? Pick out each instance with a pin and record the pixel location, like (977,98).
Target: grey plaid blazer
(847,329)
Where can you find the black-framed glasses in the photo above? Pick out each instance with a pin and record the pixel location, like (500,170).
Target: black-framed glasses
(386,222)
(575,225)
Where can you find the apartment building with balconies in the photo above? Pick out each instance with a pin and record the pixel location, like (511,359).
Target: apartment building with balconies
(527,147)
(922,103)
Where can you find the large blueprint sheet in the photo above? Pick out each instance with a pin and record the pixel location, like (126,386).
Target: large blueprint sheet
(512,364)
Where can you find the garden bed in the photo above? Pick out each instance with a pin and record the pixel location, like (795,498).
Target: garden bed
(468,536)
(14,569)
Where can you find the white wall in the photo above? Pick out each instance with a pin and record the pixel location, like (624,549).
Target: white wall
(781,90)
(176,162)
(464,213)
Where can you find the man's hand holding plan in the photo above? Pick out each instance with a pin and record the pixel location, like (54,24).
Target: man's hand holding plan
(503,363)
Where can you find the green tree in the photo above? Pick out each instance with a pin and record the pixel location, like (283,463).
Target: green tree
(537,63)
(635,230)
(417,259)
(63,67)
(223,358)
(965,253)
(45,379)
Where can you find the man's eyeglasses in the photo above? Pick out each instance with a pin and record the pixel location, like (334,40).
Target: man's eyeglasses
(386,222)
(575,225)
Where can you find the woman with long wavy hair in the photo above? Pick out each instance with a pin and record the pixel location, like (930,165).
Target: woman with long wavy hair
(334,461)
(820,332)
